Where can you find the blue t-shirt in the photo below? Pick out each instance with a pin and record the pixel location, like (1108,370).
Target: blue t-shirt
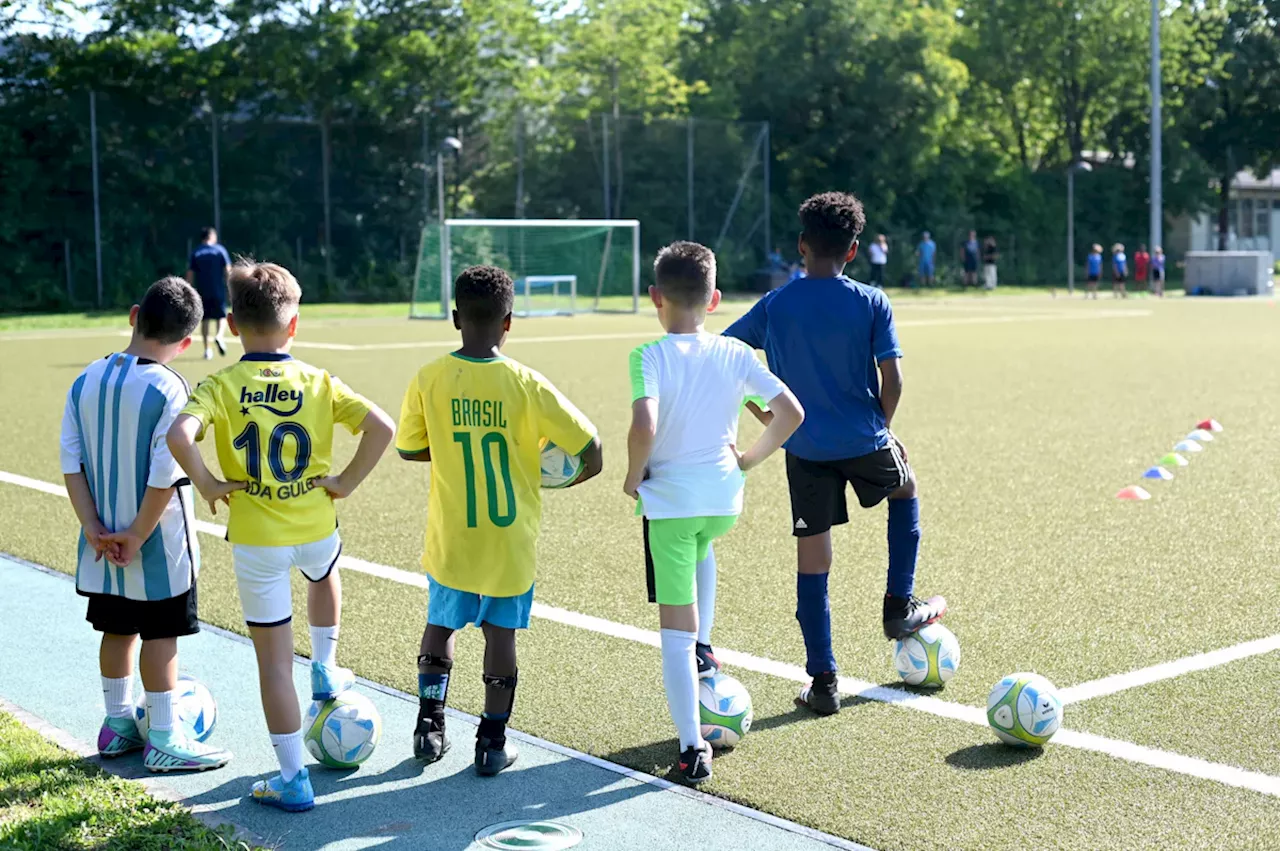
(209,263)
(1120,260)
(824,338)
(1095,264)
(927,250)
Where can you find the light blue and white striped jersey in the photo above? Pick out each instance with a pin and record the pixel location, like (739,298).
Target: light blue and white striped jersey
(113,429)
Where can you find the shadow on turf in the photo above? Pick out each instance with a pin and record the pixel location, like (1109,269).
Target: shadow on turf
(416,806)
(989,756)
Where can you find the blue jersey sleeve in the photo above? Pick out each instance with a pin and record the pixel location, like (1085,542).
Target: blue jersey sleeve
(753,326)
(226,258)
(884,336)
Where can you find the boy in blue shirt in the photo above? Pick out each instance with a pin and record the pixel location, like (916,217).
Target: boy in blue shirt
(927,252)
(1093,268)
(1120,270)
(825,337)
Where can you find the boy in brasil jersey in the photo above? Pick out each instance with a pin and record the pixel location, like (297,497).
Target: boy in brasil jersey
(141,578)
(827,337)
(273,419)
(687,390)
(480,418)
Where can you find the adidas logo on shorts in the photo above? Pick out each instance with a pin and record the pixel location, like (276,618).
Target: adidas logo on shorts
(800,524)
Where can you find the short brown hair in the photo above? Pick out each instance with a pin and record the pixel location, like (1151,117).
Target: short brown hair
(169,311)
(686,273)
(264,296)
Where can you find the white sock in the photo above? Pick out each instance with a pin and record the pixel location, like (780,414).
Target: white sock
(324,645)
(706,596)
(160,711)
(680,677)
(289,752)
(117,696)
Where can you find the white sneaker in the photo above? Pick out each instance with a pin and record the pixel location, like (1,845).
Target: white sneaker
(208,354)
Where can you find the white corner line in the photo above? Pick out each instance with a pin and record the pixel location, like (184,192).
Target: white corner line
(1191,766)
(89,753)
(1169,670)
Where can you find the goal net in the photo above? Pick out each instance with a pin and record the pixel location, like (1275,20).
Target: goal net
(560,266)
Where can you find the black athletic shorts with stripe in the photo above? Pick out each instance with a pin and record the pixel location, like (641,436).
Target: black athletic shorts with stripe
(818,487)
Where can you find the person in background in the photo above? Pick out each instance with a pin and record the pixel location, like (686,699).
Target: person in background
(990,255)
(1157,272)
(970,257)
(798,271)
(1120,271)
(207,270)
(1141,262)
(1094,269)
(879,252)
(926,253)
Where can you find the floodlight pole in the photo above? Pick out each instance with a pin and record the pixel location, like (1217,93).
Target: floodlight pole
(1157,175)
(1071,229)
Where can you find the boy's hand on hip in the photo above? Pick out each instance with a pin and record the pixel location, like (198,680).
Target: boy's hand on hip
(902,447)
(631,485)
(744,464)
(337,488)
(219,491)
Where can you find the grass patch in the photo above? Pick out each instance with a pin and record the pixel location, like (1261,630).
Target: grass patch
(50,800)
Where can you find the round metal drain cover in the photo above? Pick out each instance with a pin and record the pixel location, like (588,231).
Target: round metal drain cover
(529,836)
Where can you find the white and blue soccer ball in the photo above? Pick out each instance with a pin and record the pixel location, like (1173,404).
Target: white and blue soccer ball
(927,658)
(1024,710)
(342,732)
(725,710)
(194,709)
(559,469)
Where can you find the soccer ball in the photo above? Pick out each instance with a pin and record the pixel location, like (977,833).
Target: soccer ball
(927,658)
(342,732)
(193,704)
(559,468)
(1024,710)
(725,709)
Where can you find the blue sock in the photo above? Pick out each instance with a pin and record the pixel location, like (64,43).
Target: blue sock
(813,610)
(433,686)
(904,545)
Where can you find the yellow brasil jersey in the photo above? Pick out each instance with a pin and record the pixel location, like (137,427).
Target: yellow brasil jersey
(273,419)
(483,421)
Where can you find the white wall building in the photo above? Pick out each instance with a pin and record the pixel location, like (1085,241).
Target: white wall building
(1253,220)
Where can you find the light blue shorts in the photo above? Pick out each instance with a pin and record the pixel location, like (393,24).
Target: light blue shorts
(454,609)
(926,269)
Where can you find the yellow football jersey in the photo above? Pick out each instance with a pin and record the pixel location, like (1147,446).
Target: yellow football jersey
(273,419)
(483,421)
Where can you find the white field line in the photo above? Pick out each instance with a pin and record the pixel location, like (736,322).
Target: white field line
(1168,670)
(1191,766)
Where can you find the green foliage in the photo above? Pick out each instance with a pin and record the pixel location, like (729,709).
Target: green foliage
(941,115)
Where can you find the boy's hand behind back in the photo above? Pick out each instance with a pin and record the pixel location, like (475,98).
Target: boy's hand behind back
(123,548)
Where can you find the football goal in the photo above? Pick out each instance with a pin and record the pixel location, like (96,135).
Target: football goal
(560,266)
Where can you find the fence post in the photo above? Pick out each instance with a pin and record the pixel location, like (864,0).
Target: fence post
(97,206)
(689,181)
(66,261)
(604,155)
(324,179)
(520,163)
(217,200)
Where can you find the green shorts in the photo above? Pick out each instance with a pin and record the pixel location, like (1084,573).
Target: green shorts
(673,549)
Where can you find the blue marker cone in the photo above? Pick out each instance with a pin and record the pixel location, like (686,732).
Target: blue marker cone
(1159,473)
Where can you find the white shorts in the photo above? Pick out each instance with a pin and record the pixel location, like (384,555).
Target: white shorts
(262,573)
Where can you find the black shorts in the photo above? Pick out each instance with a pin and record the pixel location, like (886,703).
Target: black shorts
(1093,279)
(818,487)
(150,619)
(1156,274)
(215,303)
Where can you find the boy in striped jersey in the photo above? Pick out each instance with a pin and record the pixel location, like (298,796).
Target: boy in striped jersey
(137,558)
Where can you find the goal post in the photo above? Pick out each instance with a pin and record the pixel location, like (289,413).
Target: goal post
(561,266)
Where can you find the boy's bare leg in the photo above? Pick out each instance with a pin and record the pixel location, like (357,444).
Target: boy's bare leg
(324,600)
(273,645)
(158,664)
(115,655)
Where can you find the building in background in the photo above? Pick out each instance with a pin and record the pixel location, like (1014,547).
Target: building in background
(1253,220)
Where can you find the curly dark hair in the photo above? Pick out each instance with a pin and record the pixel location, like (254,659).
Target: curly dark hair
(484,293)
(831,223)
(686,273)
(169,311)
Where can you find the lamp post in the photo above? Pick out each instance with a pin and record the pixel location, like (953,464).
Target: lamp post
(449,143)
(1078,165)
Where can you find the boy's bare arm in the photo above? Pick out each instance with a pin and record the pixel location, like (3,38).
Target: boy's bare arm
(592,462)
(182,445)
(890,388)
(787,415)
(86,511)
(129,541)
(644,429)
(376,433)
(765,417)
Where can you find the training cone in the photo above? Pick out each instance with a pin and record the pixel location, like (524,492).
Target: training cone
(1209,425)
(1173,459)
(1188,446)
(1158,473)
(1201,435)
(1133,494)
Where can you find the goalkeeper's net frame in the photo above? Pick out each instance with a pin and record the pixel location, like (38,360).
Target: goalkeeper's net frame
(594,288)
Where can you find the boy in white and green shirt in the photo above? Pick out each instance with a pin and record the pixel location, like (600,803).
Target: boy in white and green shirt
(683,465)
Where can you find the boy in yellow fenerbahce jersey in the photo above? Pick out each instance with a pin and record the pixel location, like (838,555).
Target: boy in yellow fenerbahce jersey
(273,419)
(479,418)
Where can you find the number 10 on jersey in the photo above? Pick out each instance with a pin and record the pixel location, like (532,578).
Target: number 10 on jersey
(492,444)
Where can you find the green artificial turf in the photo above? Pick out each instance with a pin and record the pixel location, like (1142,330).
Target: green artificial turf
(52,800)
(1022,416)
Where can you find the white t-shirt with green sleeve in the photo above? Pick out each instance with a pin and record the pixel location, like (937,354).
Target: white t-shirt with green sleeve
(699,381)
